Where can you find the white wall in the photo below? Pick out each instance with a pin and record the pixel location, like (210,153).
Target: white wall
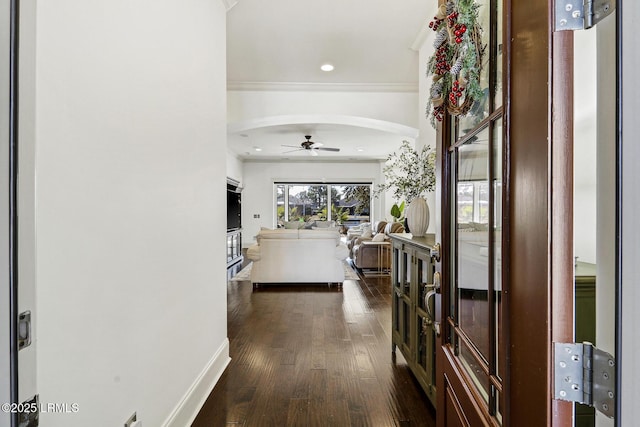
(585,145)
(427,134)
(235,166)
(131,113)
(397,107)
(630,315)
(258,194)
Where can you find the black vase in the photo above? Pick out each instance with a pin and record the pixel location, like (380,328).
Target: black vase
(406,225)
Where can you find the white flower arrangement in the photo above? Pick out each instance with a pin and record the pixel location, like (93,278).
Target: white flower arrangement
(409,173)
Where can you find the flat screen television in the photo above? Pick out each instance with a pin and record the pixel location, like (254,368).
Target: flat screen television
(234,210)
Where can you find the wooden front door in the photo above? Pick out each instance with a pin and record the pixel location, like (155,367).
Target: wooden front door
(506,227)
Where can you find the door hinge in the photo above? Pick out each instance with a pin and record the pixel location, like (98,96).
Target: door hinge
(581,14)
(585,374)
(29,415)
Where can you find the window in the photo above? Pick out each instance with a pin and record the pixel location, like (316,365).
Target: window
(348,203)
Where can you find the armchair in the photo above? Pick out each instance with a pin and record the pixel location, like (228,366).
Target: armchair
(367,234)
(366,254)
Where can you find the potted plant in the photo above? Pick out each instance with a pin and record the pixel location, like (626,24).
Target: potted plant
(397,212)
(410,174)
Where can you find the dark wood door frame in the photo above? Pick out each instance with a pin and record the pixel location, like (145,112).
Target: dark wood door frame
(540,138)
(537,223)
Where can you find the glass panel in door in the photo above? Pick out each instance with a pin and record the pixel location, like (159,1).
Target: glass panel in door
(497,245)
(472,244)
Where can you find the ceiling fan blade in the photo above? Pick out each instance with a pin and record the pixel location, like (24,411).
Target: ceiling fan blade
(291,151)
(317,144)
(292,146)
(327,149)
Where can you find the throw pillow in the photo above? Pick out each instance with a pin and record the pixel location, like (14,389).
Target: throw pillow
(366,231)
(292,225)
(323,224)
(380,237)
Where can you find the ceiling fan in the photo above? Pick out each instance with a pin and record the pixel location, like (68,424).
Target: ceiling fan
(310,146)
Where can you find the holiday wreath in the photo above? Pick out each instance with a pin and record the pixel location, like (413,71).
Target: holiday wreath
(457,60)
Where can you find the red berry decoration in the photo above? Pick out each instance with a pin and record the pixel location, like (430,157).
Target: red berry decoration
(435,23)
(457,53)
(456,92)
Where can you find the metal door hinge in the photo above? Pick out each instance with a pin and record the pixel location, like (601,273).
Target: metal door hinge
(581,14)
(29,415)
(24,330)
(586,375)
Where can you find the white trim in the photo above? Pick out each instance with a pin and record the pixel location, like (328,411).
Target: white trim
(189,406)
(228,4)
(365,122)
(630,230)
(322,87)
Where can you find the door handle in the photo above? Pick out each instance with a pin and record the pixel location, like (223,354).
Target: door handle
(427,297)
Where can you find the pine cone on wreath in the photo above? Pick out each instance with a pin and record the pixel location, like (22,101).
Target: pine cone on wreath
(441,37)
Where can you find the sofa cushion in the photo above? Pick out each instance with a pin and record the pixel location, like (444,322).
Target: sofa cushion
(323,224)
(293,225)
(277,234)
(320,233)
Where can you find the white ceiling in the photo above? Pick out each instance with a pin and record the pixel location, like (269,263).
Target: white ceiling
(281,42)
(355,143)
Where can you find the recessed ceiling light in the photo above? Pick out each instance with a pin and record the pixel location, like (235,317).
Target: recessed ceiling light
(257,148)
(359,149)
(327,67)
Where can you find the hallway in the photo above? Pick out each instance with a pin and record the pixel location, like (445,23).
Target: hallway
(314,356)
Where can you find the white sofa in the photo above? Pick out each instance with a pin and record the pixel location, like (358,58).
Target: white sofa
(297,256)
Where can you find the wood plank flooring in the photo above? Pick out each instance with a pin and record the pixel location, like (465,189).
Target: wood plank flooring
(309,355)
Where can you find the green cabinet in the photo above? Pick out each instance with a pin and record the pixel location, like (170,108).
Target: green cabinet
(413,306)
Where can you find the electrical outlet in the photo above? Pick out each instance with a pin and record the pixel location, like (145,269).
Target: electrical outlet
(132,421)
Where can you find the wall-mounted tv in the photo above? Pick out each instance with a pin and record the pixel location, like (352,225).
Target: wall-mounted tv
(234,210)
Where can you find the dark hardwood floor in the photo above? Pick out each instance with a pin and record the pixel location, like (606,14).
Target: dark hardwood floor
(309,355)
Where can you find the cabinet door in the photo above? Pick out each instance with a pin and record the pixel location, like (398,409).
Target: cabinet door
(401,305)
(229,247)
(424,315)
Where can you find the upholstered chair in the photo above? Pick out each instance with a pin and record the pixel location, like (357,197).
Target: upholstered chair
(366,256)
(378,227)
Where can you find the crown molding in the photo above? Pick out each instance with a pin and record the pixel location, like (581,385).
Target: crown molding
(322,87)
(228,4)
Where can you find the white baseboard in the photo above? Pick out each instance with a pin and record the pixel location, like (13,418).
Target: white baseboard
(187,410)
